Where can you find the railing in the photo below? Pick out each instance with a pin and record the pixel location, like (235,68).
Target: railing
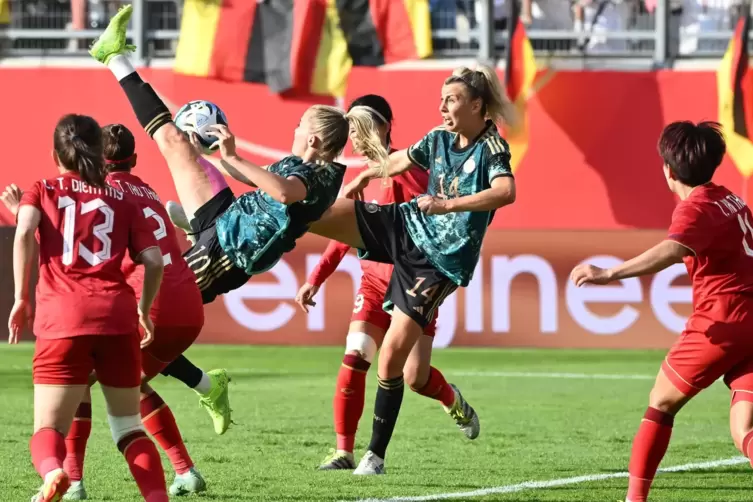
(671,30)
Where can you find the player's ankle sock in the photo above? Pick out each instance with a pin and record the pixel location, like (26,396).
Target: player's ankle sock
(149,108)
(437,388)
(649,446)
(389,397)
(145,465)
(159,421)
(349,399)
(75,442)
(184,370)
(120,66)
(47,450)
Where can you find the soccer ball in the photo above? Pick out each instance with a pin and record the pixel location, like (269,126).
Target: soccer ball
(197,117)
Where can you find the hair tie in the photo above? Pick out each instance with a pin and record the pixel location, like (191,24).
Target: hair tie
(121,161)
(75,137)
(370,109)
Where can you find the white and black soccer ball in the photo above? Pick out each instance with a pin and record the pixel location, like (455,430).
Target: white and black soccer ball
(197,117)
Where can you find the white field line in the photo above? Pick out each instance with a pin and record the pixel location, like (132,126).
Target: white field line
(553,483)
(577,376)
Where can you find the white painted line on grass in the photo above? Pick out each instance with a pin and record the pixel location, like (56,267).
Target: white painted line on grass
(553,483)
(515,374)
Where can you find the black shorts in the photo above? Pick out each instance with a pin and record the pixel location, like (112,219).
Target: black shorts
(215,273)
(416,287)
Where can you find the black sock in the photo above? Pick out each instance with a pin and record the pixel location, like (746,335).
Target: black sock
(150,110)
(389,397)
(184,370)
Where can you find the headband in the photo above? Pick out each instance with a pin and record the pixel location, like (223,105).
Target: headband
(121,161)
(370,109)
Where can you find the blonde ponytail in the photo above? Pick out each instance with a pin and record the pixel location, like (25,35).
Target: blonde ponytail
(368,139)
(332,126)
(484,83)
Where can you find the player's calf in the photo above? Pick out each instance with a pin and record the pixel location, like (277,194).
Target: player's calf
(142,456)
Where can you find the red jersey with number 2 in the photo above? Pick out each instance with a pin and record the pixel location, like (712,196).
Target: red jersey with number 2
(716,226)
(84,235)
(179,300)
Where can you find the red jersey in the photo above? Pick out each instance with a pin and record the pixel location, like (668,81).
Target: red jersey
(715,225)
(402,188)
(179,300)
(84,235)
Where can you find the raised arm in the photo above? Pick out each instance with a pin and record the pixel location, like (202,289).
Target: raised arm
(284,190)
(399,163)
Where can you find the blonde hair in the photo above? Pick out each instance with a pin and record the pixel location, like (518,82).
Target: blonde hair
(483,83)
(332,125)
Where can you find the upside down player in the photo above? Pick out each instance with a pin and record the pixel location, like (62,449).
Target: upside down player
(370,322)
(711,232)
(238,238)
(87,316)
(434,241)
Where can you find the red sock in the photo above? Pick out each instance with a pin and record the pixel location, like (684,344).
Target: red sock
(438,388)
(145,465)
(160,423)
(75,442)
(649,446)
(349,400)
(47,450)
(748,447)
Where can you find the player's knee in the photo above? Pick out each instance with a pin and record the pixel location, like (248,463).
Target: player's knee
(669,403)
(171,140)
(123,427)
(361,345)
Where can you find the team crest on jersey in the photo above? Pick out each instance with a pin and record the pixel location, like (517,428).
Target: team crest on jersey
(371,207)
(469,166)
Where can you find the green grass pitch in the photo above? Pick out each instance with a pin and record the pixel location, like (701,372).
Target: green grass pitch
(533,428)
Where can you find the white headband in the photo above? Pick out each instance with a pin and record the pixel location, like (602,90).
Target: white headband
(374,112)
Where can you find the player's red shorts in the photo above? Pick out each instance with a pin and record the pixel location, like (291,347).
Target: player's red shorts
(368,306)
(70,361)
(169,342)
(708,349)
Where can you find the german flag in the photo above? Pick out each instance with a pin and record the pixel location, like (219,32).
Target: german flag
(299,46)
(735,92)
(520,72)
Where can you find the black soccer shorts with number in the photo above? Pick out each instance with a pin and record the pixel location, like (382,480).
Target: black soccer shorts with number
(416,287)
(215,273)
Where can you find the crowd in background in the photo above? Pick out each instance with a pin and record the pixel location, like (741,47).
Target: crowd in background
(586,23)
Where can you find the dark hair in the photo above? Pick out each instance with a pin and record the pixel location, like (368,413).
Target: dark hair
(118,145)
(78,144)
(692,152)
(381,106)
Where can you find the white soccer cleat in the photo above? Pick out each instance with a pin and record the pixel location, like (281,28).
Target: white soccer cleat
(464,415)
(370,464)
(77,491)
(187,483)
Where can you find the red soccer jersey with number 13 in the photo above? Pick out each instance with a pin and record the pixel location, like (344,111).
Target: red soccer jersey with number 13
(84,234)
(717,226)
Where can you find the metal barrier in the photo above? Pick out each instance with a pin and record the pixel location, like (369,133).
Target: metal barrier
(661,30)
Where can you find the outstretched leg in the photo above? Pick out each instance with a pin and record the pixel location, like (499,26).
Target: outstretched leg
(194,181)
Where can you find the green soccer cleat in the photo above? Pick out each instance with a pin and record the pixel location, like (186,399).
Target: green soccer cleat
(113,40)
(76,491)
(464,415)
(217,402)
(187,483)
(338,460)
